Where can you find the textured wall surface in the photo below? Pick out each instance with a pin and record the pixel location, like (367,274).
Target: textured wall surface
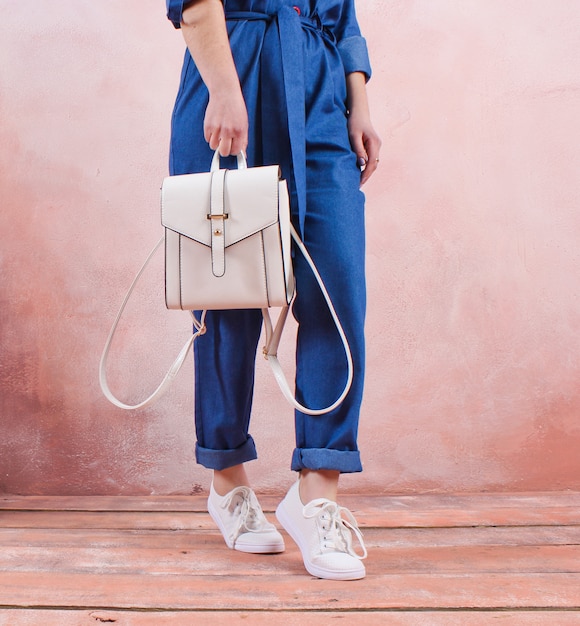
(473,233)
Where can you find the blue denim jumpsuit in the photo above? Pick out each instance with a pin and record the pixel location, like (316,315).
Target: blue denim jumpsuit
(292,57)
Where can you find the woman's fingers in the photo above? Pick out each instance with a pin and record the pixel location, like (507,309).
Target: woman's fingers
(373,147)
(212,139)
(225,146)
(365,142)
(239,144)
(358,147)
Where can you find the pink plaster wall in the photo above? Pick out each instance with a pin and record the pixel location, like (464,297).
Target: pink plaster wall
(473,239)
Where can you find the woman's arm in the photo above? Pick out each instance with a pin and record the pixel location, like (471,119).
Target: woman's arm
(363,138)
(226,117)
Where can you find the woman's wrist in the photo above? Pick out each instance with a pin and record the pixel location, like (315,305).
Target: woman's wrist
(356,92)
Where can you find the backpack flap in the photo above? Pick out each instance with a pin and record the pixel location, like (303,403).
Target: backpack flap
(250,202)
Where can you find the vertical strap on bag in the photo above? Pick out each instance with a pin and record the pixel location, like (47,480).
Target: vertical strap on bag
(217,217)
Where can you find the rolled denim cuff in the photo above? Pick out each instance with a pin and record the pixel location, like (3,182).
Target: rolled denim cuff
(344,461)
(355,55)
(175,11)
(222,459)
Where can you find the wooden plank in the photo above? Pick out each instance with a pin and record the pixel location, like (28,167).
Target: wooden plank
(486,501)
(476,517)
(106,520)
(104,503)
(206,559)
(176,520)
(33,617)
(290,592)
(481,535)
(109,538)
(375,537)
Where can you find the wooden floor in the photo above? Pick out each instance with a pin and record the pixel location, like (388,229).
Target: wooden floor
(152,561)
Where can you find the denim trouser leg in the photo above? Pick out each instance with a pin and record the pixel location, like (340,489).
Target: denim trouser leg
(224,383)
(335,239)
(334,234)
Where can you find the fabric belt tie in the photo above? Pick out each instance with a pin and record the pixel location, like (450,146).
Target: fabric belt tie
(289,26)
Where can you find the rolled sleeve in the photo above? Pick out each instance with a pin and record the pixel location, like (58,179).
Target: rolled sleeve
(175,11)
(355,55)
(351,44)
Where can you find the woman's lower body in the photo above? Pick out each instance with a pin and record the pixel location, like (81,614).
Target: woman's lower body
(333,231)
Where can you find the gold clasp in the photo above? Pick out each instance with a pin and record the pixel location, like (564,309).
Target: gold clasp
(223,216)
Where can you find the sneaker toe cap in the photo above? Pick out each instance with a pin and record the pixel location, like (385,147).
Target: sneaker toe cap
(338,566)
(270,541)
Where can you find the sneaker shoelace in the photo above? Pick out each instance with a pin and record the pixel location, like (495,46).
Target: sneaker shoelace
(338,524)
(244,506)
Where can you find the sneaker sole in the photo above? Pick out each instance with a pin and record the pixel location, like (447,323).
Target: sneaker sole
(260,549)
(311,568)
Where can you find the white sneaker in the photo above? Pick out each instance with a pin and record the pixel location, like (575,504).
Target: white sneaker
(323,531)
(241,521)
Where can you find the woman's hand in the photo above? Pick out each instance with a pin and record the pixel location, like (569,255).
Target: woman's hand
(226,122)
(364,140)
(366,143)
